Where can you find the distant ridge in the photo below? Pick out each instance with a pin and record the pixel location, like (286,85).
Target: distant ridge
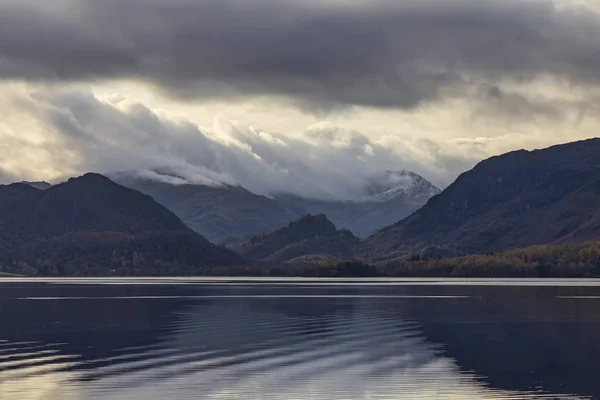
(388,197)
(230,213)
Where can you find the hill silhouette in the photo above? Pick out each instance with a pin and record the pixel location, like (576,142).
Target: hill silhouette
(309,239)
(93,226)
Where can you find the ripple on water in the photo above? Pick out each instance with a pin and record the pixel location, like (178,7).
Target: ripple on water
(228,346)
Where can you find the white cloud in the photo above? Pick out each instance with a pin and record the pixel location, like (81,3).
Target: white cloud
(50,132)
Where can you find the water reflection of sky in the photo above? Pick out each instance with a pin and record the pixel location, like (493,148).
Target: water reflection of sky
(237,345)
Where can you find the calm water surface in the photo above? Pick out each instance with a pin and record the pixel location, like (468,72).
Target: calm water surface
(266,339)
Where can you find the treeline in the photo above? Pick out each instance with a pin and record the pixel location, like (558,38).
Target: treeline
(341,269)
(116,254)
(8,275)
(336,268)
(580,260)
(97,258)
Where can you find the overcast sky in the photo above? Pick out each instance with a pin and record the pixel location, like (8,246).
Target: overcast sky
(308,96)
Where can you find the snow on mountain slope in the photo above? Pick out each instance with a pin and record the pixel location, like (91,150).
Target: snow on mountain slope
(409,185)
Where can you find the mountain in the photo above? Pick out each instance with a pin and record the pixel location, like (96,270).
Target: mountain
(228,214)
(407,185)
(309,239)
(518,199)
(90,225)
(387,198)
(216,212)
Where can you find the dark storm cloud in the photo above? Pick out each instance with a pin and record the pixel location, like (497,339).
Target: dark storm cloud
(322,53)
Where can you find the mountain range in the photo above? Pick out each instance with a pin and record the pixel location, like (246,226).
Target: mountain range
(516,200)
(93,226)
(226,214)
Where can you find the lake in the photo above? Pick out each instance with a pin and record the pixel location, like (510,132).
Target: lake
(146,339)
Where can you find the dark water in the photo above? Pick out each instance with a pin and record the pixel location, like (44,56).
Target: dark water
(177,339)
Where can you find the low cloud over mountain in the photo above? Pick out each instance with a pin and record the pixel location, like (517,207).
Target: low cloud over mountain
(94,135)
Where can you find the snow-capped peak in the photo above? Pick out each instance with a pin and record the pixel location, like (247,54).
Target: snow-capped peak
(406,184)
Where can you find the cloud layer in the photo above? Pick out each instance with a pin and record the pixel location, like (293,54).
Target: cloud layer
(119,135)
(324,54)
(52,133)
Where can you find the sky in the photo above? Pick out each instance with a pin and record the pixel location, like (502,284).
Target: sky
(311,97)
